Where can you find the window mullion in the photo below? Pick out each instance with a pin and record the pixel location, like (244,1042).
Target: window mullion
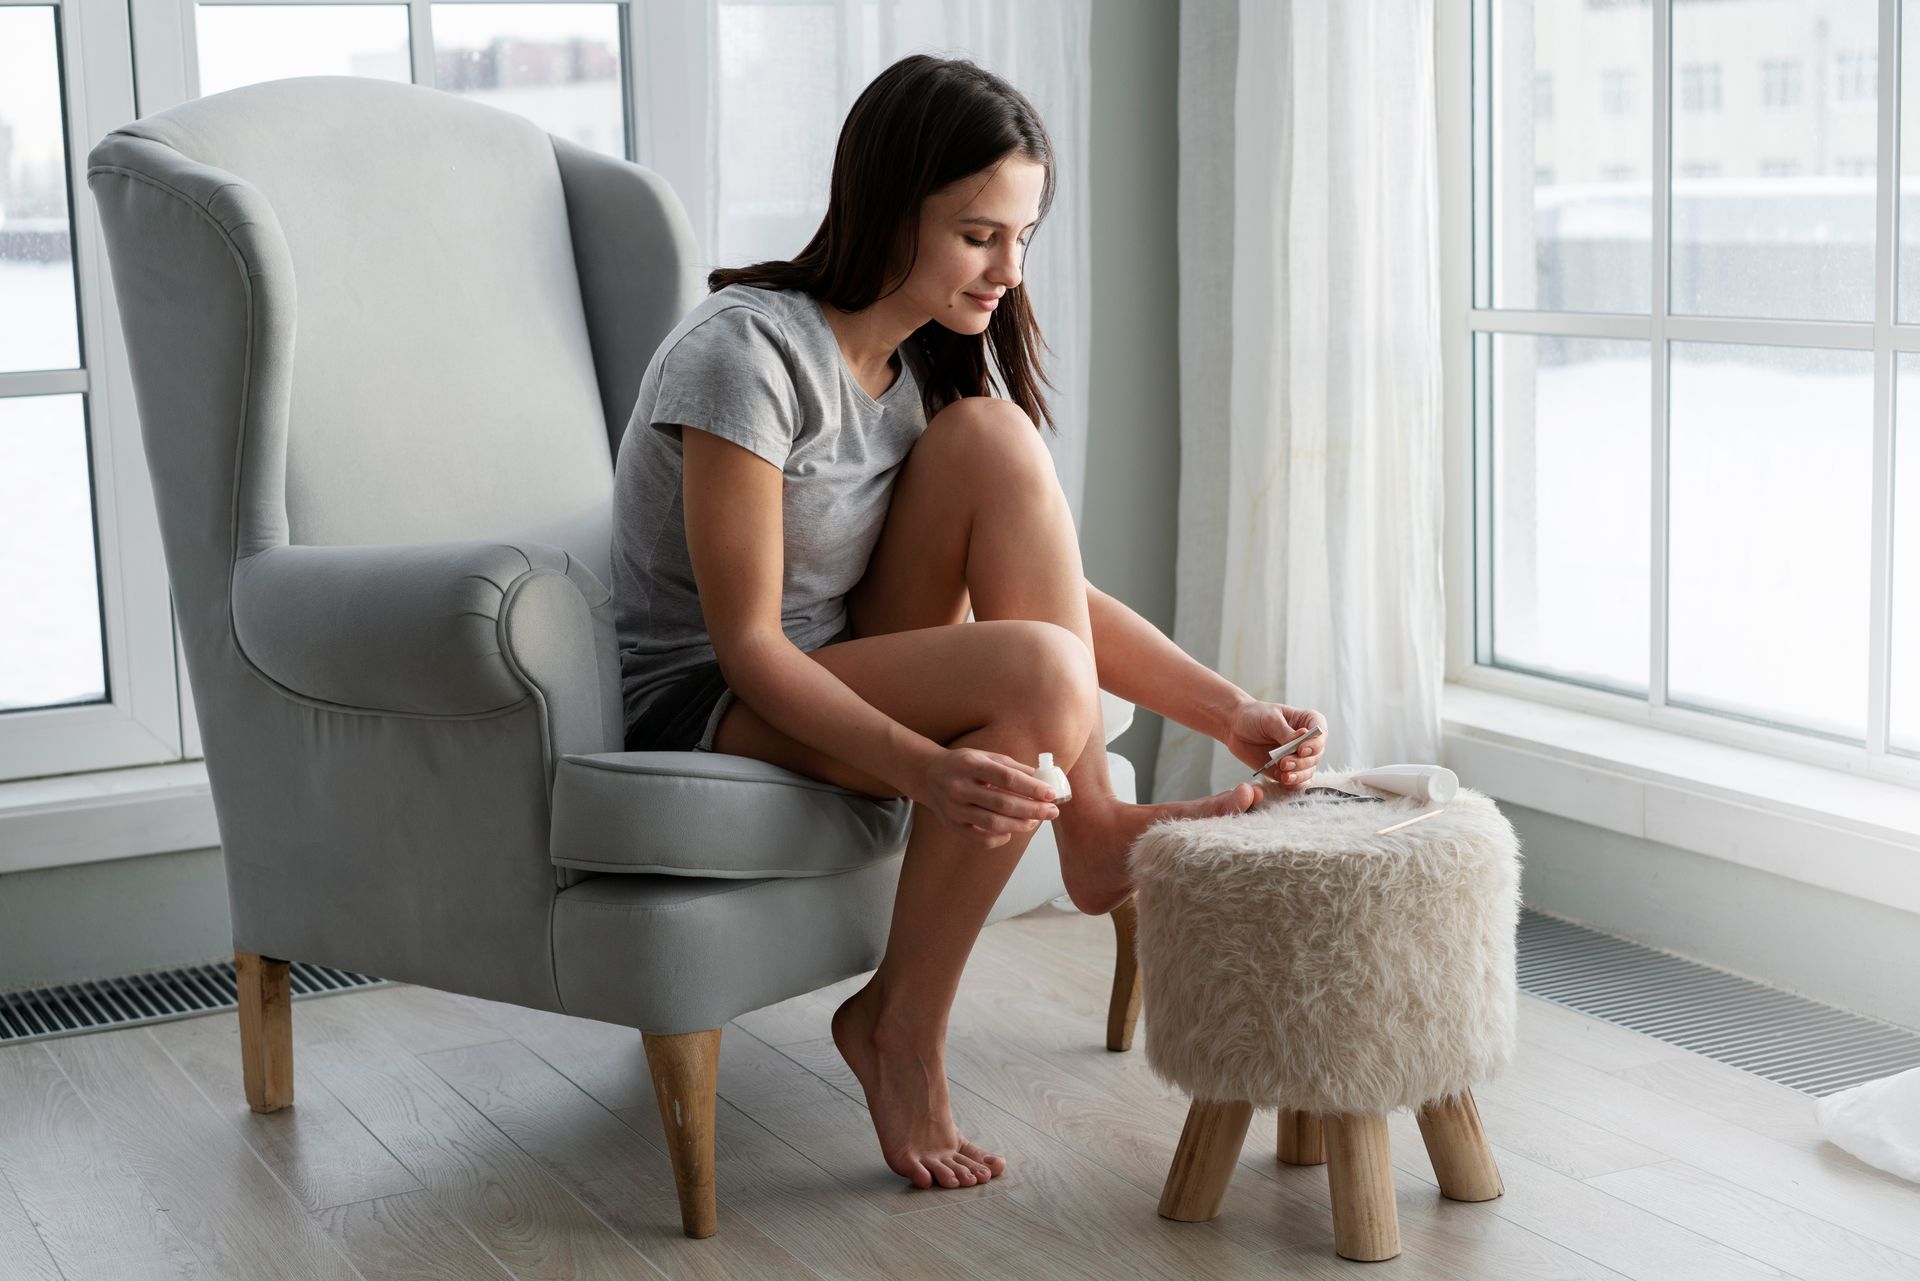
(1886,197)
(1657,314)
(420,24)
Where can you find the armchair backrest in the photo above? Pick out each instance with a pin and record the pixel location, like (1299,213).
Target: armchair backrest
(425,371)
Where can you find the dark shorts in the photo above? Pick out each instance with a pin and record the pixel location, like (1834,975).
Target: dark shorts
(685,716)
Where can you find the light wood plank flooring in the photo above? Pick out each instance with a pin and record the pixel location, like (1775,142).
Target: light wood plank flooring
(444,1137)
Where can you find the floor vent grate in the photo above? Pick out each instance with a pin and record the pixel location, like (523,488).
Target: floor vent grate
(1814,1048)
(63,1009)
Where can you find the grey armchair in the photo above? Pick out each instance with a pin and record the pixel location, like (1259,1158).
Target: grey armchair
(384,343)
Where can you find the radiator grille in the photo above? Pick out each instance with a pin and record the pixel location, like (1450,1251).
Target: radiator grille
(37,1014)
(1817,1049)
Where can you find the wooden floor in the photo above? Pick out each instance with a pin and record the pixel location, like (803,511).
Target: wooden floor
(439,1136)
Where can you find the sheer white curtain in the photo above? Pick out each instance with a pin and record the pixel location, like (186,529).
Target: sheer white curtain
(1309,565)
(744,102)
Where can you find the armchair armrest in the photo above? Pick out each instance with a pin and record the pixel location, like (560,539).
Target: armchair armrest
(441,629)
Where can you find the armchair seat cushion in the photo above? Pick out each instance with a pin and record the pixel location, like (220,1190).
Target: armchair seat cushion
(713,814)
(710,814)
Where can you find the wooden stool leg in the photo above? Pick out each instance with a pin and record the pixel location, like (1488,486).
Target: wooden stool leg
(266,1030)
(1301,1141)
(1360,1176)
(1462,1161)
(1203,1164)
(686,1079)
(1123,1010)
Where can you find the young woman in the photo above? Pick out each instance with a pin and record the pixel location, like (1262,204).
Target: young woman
(793,576)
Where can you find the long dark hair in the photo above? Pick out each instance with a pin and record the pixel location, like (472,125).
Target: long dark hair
(923,123)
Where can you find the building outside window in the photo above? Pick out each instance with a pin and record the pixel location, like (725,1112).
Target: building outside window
(1855,78)
(1780,83)
(1616,92)
(1700,87)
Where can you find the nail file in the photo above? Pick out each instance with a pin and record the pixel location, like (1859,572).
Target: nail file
(1274,756)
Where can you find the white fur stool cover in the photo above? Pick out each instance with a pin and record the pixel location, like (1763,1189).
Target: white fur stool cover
(1292,958)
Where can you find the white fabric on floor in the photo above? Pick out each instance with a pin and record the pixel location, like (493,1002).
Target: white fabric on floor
(1879,1122)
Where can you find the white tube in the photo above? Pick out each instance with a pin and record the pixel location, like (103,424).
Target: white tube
(1432,784)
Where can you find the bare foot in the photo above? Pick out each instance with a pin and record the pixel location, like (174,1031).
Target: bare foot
(907,1097)
(1094,843)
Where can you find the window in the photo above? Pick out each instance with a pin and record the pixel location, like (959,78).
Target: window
(90,676)
(1616,93)
(1779,83)
(1855,79)
(86,654)
(1700,88)
(1662,365)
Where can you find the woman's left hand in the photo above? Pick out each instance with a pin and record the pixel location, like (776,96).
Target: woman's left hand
(1257,728)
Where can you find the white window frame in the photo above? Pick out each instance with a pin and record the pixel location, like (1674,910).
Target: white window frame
(123,777)
(149,717)
(1467,590)
(139,722)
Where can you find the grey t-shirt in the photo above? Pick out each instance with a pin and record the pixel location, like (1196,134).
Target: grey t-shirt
(759,367)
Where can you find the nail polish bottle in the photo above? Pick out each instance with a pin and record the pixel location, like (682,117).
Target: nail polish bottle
(1055,777)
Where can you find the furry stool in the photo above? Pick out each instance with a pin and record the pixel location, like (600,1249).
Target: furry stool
(1291,957)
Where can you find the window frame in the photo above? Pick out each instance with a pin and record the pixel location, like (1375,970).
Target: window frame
(1465,240)
(139,721)
(123,62)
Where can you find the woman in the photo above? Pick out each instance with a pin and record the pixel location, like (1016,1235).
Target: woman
(850,491)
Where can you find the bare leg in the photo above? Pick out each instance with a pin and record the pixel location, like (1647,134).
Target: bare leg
(1096,829)
(893,1032)
(1023,561)
(1008,537)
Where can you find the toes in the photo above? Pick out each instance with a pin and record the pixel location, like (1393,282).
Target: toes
(944,1175)
(918,1173)
(993,1162)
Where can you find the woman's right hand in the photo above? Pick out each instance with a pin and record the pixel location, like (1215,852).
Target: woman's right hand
(987,796)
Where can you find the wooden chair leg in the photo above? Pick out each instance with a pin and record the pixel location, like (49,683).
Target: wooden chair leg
(266,1030)
(1301,1141)
(686,1079)
(1203,1164)
(1123,1010)
(1360,1177)
(1462,1161)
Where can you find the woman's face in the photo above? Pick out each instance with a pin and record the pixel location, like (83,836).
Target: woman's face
(973,237)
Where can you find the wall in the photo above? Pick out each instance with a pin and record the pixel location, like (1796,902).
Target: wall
(93,920)
(1133,458)
(1817,942)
